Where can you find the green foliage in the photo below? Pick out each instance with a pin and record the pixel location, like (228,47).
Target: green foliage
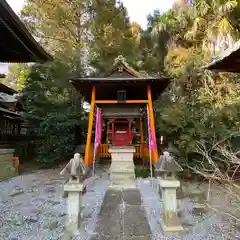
(58,130)
(142,172)
(200,106)
(54,110)
(113,35)
(61,25)
(13,78)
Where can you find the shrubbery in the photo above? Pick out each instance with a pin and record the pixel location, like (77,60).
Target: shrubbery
(55,112)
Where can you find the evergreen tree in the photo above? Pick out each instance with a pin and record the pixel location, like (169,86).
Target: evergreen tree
(112,35)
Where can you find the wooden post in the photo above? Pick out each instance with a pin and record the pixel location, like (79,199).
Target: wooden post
(88,149)
(113,134)
(130,131)
(152,123)
(141,137)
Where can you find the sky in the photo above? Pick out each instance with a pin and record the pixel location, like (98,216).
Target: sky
(137,9)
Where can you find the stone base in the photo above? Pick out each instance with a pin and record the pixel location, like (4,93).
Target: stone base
(122,170)
(7,170)
(74,187)
(169,183)
(172,230)
(65,193)
(74,192)
(199,209)
(122,180)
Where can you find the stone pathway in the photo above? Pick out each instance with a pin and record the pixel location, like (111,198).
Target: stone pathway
(122,217)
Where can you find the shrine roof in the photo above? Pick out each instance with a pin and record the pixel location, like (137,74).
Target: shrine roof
(227,61)
(17,44)
(120,76)
(12,113)
(6,89)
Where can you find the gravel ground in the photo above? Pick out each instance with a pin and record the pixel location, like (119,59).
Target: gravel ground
(32,207)
(204,227)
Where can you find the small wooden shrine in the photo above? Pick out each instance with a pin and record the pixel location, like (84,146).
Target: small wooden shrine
(227,61)
(122,95)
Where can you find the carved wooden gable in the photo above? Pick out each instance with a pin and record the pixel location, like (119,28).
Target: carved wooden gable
(122,70)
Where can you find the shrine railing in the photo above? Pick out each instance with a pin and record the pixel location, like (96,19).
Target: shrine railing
(103,151)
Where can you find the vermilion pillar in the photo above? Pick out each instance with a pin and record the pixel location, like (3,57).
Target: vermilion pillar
(129,131)
(152,122)
(88,154)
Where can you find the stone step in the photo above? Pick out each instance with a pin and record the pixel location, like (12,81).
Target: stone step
(122,171)
(121,177)
(123,164)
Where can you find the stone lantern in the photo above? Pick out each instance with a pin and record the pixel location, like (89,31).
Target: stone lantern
(74,189)
(165,170)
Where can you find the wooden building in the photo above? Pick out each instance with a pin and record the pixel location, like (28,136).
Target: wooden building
(227,61)
(122,95)
(17,45)
(10,117)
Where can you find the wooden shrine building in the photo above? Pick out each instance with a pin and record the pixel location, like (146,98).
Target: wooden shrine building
(227,61)
(122,95)
(10,116)
(17,45)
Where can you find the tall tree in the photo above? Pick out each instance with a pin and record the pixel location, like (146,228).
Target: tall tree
(112,34)
(201,106)
(54,110)
(60,25)
(14,78)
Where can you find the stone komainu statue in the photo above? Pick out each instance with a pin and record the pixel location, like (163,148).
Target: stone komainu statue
(76,169)
(166,156)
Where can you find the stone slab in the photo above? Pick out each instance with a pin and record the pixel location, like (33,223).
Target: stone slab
(112,197)
(132,196)
(122,221)
(105,237)
(109,223)
(172,231)
(109,208)
(122,175)
(135,222)
(146,237)
(123,184)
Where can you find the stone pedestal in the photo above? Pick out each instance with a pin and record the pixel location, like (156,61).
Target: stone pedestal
(74,191)
(7,169)
(122,170)
(171,222)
